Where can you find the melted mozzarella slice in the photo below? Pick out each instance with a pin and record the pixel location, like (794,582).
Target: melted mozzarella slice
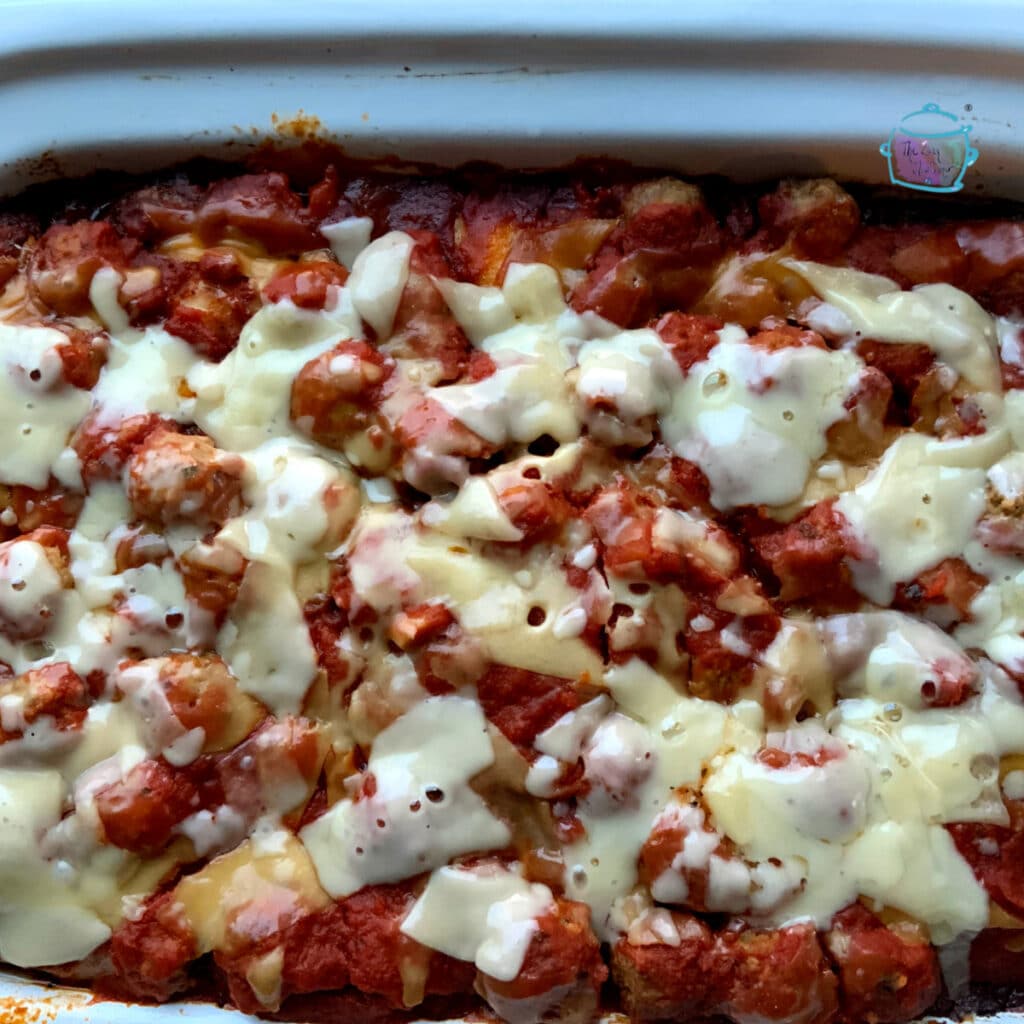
(917,507)
(658,741)
(755,420)
(379,274)
(485,915)
(422,812)
(940,316)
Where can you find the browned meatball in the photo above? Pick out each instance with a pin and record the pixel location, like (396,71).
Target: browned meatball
(173,477)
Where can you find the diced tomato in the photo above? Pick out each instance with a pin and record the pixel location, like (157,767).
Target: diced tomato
(323,195)
(783,335)
(535,508)
(416,626)
(326,623)
(779,760)
(428,425)
(448,661)
(700,555)
(479,367)
(306,284)
(140,812)
(887,975)
(521,703)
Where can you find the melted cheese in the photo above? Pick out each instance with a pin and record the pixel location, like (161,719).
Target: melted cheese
(663,744)
(393,561)
(244,400)
(755,420)
(31,589)
(379,274)
(38,411)
(230,891)
(265,641)
(867,822)
(916,508)
(108,613)
(940,316)
(870,823)
(556,370)
(423,811)
(485,915)
(348,238)
(890,657)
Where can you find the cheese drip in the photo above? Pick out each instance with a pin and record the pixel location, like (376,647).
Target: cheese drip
(394,560)
(38,410)
(940,316)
